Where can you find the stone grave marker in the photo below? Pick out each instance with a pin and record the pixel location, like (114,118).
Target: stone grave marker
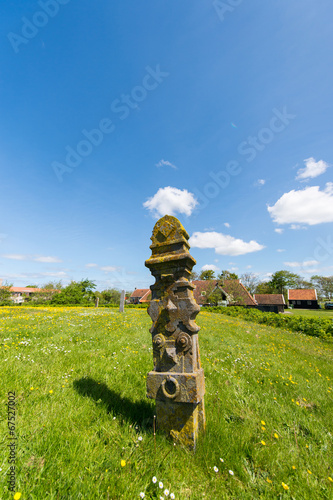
(177,380)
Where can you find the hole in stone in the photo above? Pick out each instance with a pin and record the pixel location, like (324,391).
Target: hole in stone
(170,387)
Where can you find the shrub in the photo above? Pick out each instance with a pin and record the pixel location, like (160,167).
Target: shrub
(317,327)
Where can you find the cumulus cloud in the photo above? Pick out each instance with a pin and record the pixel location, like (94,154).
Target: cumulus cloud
(278,230)
(169,201)
(227,224)
(307,206)
(38,258)
(306,263)
(224,244)
(210,267)
(165,163)
(260,182)
(312,169)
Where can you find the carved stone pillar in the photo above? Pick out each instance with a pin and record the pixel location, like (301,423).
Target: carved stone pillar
(177,380)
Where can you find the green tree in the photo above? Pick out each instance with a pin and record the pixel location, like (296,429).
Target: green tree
(75,293)
(323,285)
(207,275)
(111,296)
(283,280)
(5,295)
(265,287)
(194,276)
(227,275)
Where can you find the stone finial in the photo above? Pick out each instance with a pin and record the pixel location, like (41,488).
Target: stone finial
(177,380)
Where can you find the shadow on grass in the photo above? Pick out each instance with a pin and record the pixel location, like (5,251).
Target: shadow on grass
(139,413)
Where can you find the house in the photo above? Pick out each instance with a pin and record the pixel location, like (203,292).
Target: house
(270,302)
(140,295)
(232,292)
(19,293)
(303,298)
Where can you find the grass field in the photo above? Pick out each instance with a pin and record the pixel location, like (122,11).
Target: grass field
(311,313)
(84,424)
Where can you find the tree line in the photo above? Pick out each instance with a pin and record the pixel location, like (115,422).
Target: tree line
(279,282)
(75,293)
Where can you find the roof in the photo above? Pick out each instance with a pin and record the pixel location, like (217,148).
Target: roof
(269,299)
(145,298)
(140,292)
(302,294)
(232,288)
(24,289)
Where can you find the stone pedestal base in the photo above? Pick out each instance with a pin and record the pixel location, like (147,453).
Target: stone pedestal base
(181,421)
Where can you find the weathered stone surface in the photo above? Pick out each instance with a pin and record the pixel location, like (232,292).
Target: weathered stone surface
(177,380)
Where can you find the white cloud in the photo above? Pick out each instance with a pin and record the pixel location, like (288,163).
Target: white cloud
(91,265)
(223,244)
(227,224)
(165,163)
(307,206)
(280,250)
(260,182)
(210,267)
(306,263)
(41,258)
(249,267)
(109,269)
(49,260)
(279,230)
(312,169)
(169,200)
(14,256)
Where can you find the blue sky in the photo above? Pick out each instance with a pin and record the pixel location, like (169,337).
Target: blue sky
(115,113)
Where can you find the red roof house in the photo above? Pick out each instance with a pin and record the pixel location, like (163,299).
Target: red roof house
(233,293)
(273,302)
(303,298)
(140,295)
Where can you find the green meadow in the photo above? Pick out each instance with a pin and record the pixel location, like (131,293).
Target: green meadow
(84,426)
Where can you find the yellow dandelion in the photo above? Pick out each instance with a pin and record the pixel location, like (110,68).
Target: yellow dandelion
(330,479)
(51,392)
(17,496)
(263,428)
(309,472)
(276,435)
(263,443)
(123,463)
(285,486)
(262,422)
(293,467)
(31,388)
(268,480)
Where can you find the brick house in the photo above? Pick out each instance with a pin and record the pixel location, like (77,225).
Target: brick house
(303,298)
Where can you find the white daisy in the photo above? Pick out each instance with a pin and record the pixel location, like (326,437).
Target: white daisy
(215,468)
(154,479)
(231,472)
(160,484)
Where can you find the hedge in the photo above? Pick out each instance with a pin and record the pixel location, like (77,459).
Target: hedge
(317,327)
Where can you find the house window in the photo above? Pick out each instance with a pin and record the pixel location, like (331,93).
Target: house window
(309,302)
(299,302)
